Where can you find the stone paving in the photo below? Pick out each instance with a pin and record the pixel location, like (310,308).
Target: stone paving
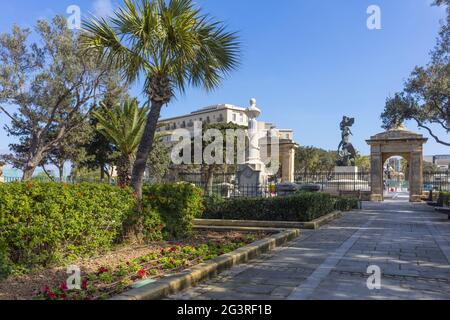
(410,243)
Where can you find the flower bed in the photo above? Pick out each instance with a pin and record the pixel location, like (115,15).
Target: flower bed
(113,274)
(43,224)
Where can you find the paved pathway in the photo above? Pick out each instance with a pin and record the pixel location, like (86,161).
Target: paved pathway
(410,243)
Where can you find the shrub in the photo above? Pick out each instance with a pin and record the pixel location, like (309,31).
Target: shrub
(177,204)
(346,203)
(444,199)
(302,207)
(44,223)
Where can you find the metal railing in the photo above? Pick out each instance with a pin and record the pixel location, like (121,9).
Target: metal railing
(436,180)
(342,181)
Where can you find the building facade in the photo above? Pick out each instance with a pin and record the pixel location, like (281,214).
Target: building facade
(442,161)
(221,113)
(227,113)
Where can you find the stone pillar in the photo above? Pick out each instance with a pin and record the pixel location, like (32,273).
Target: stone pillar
(287,160)
(416,176)
(376,176)
(254,156)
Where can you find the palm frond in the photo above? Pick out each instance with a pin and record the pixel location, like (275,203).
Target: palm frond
(165,39)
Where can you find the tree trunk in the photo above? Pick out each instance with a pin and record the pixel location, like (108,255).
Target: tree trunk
(124,170)
(61,172)
(102,172)
(210,180)
(145,147)
(31,166)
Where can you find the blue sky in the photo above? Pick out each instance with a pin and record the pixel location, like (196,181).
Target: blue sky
(307,62)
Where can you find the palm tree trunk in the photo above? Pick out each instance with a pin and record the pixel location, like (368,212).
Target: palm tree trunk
(124,170)
(145,148)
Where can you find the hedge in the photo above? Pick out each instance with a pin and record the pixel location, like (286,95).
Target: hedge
(346,203)
(177,204)
(301,207)
(45,223)
(444,199)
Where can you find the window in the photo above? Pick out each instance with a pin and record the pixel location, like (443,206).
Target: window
(234,117)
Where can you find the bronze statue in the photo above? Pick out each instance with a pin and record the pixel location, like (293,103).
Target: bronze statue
(346,151)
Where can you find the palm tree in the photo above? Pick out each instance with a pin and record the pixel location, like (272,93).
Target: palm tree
(124,126)
(172,45)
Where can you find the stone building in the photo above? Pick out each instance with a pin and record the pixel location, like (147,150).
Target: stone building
(227,113)
(221,113)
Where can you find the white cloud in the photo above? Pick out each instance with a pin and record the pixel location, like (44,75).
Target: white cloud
(103,8)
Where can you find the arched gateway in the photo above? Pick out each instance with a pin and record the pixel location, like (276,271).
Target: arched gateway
(397,142)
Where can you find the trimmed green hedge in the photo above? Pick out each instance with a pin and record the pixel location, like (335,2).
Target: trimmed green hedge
(346,203)
(301,207)
(177,204)
(444,199)
(45,223)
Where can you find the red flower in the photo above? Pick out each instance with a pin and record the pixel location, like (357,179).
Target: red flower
(103,270)
(142,273)
(46,289)
(51,295)
(163,251)
(63,296)
(173,249)
(84,284)
(63,286)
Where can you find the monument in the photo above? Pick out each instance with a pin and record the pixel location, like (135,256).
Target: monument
(346,163)
(252,175)
(346,177)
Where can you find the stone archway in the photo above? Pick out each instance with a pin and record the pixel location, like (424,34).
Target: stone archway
(397,142)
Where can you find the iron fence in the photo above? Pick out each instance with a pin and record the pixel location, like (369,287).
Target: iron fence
(436,180)
(227,185)
(336,181)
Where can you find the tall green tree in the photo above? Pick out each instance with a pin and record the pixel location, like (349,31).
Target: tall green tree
(47,89)
(123,125)
(71,149)
(209,170)
(172,45)
(425,98)
(312,160)
(100,152)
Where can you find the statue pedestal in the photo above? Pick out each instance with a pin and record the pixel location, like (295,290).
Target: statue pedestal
(346,172)
(347,179)
(252,178)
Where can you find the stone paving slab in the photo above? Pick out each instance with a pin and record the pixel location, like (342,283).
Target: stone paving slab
(410,243)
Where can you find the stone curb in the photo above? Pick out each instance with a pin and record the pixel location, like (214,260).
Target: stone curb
(190,277)
(315,224)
